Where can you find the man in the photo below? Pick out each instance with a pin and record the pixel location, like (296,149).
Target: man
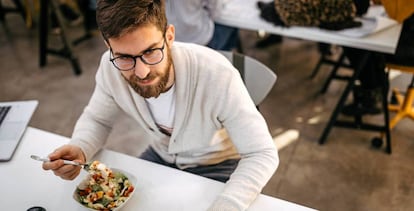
(188,99)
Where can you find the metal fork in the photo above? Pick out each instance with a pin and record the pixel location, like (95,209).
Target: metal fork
(66,162)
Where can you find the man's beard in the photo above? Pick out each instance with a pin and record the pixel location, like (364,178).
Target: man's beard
(156,89)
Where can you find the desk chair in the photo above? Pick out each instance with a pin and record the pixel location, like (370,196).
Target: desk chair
(404,107)
(258,78)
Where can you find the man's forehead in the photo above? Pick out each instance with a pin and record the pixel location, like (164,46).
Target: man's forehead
(136,41)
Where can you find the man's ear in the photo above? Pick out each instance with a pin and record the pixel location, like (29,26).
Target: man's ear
(170,34)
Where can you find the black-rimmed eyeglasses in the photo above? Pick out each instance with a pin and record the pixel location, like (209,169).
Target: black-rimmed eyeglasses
(151,56)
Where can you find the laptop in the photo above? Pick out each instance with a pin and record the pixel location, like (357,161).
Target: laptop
(14,119)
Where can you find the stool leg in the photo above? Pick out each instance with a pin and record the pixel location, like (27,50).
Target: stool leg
(408,100)
(405,107)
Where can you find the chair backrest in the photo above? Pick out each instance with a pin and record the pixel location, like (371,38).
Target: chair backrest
(258,78)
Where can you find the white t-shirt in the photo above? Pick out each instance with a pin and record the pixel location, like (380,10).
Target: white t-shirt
(163,109)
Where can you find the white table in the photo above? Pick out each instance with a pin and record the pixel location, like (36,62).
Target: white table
(244,14)
(25,184)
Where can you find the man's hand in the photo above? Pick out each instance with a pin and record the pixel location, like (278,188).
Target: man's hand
(66,152)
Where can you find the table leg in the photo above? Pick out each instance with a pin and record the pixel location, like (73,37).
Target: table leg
(43,32)
(387,128)
(343,97)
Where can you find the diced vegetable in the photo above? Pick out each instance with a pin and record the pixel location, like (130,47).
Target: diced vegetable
(104,189)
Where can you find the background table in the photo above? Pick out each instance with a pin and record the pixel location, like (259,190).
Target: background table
(26,184)
(244,14)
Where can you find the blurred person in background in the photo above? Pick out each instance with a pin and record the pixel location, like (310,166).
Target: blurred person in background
(194,23)
(372,76)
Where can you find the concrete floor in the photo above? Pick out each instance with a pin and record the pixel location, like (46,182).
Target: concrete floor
(344,174)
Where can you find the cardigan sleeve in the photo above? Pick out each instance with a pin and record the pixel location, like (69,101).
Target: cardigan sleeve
(250,135)
(95,123)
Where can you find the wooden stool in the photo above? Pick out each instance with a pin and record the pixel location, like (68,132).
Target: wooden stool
(404,108)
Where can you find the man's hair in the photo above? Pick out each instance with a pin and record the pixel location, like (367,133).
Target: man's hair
(117,17)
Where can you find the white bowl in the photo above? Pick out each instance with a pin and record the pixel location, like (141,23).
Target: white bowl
(132,179)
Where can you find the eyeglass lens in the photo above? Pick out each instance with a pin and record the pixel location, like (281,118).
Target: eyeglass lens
(150,57)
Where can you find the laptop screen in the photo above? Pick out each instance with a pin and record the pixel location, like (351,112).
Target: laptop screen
(14,122)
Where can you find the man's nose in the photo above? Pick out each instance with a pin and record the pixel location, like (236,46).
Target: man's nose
(141,69)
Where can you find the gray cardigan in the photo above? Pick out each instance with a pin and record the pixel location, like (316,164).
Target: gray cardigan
(215,120)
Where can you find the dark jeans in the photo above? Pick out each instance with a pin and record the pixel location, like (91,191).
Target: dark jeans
(373,73)
(225,38)
(220,172)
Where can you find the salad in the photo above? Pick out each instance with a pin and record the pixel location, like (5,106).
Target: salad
(103,189)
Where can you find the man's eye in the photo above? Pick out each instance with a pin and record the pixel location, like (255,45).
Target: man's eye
(148,52)
(124,58)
